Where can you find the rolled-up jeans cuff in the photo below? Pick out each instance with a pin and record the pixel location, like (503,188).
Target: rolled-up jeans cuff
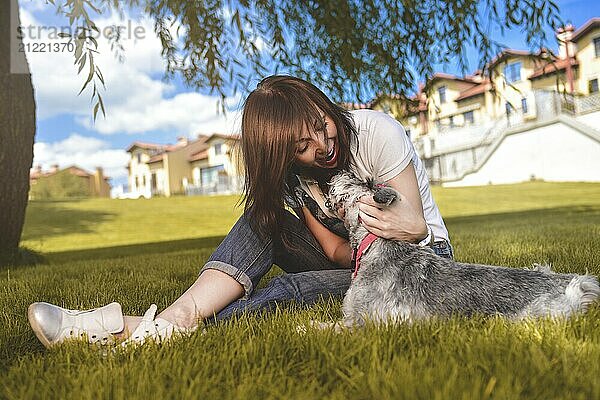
(232,271)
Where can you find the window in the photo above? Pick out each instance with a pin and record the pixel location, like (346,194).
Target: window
(210,175)
(218,149)
(442,93)
(451,121)
(597,46)
(524,105)
(512,72)
(469,117)
(509,108)
(593,86)
(139,158)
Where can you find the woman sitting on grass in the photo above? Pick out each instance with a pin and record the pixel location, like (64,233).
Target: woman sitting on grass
(293,140)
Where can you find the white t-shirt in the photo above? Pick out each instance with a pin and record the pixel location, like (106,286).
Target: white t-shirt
(384,150)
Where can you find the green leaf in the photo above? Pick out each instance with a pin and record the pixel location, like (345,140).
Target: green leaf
(96,110)
(82,63)
(100,76)
(93,40)
(102,105)
(89,78)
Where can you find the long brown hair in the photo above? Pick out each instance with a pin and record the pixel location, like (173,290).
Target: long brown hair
(274,117)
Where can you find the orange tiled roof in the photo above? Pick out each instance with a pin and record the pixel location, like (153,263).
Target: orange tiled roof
(224,136)
(443,75)
(552,67)
(156,158)
(591,23)
(508,52)
(78,171)
(73,169)
(474,91)
(200,155)
(146,146)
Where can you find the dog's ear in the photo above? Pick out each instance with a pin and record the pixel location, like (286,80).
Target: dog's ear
(384,195)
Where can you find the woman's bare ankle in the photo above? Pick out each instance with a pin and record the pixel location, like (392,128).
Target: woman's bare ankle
(130,323)
(182,315)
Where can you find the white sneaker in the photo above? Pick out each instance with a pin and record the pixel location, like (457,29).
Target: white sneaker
(52,324)
(155,329)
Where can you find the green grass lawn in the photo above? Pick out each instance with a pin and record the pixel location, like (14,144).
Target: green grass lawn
(141,251)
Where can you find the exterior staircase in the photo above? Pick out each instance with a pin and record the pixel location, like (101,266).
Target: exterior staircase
(453,163)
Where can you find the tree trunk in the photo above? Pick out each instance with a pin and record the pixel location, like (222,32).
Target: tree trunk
(17,132)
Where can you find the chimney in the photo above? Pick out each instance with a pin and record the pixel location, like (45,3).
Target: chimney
(566,51)
(565,46)
(477,76)
(98,182)
(182,141)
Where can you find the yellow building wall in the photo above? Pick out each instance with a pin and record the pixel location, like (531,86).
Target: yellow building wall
(589,64)
(99,186)
(511,92)
(439,110)
(178,167)
(413,125)
(139,170)
(230,158)
(161,180)
(477,104)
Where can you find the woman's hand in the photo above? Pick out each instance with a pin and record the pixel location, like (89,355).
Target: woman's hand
(401,220)
(398,221)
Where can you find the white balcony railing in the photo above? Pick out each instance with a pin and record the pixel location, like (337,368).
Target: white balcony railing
(222,185)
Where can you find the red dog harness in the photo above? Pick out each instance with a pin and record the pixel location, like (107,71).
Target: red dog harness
(362,248)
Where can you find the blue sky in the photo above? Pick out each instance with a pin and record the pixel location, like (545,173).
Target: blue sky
(140,106)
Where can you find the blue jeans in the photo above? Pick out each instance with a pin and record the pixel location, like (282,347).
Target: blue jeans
(310,275)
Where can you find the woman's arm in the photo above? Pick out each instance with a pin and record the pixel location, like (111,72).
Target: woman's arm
(403,219)
(336,248)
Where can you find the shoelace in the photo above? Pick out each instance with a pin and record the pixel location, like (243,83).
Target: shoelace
(156,329)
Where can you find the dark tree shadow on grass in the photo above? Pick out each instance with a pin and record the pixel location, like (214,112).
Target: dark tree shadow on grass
(487,227)
(563,235)
(532,217)
(105,253)
(55,218)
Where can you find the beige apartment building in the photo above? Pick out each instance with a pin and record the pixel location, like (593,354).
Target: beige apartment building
(528,115)
(506,88)
(205,165)
(70,182)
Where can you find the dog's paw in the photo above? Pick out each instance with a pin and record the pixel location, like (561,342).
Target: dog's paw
(301,329)
(385,195)
(337,327)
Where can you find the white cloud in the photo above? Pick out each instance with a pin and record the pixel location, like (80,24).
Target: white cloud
(183,114)
(135,101)
(33,5)
(83,151)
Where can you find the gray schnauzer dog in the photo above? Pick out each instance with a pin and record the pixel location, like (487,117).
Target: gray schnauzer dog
(400,281)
